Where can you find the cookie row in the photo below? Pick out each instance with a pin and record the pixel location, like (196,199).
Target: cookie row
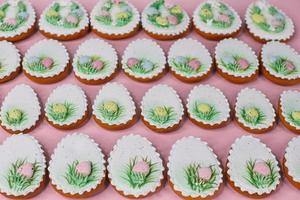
(115,109)
(117,19)
(96,61)
(77,167)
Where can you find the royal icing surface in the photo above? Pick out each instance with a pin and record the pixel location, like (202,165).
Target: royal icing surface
(194,169)
(290,107)
(20,109)
(22,166)
(195,61)
(252,166)
(9,58)
(77,164)
(134,166)
(292,158)
(114,17)
(95,59)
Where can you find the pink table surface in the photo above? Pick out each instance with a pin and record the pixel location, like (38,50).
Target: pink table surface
(220,140)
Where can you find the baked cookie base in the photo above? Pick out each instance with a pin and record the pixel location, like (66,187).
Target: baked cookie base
(256,131)
(145,80)
(211,36)
(116,127)
(191,79)
(11,76)
(208,126)
(279,81)
(117,36)
(162,130)
(238,80)
(289,178)
(262,40)
(168,37)
(74,36)
(21,36)
(284,122)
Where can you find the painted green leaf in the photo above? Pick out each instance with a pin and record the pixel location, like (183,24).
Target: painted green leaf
(60,112)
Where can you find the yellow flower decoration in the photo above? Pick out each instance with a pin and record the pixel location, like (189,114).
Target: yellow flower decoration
(257,18)
(296,115)
(204,108)
(15,114)
(160,111)
(176,10)
(122,15)
(59,108)
(52,13)
(163,21)
(252,113)
(205,12)
(2,14)
(110,106)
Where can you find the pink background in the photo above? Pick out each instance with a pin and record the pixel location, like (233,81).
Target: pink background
(220,140)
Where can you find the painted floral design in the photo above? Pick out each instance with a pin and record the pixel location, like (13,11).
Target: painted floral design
(22,174)
(140,66)
(268,18)
(162,114)
(282,65)
(204,111)
(40,64)
(15,117)
(217,15)
(81,173)
(261,174)
(164,16)
(294,117)
(139,172)
(2,67)
(187,65)
(110,110)
(253,115)
(70,20)
(8,23)
(115,13)
(60,112)
(91,64)
(236,64)
(200,178)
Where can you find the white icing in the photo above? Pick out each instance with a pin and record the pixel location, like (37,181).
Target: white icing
(186,151)
(194,49)
(284,35)
(114,30)
(289,102)
(59,30)
(21,147)
(144,49)
(242,150)
(9,58)
(275,48)
(50,48)
(212,96)
(293,159)
(74,147)
(153,98)
(129,147)
(96,47)
(21,97)
(11,13)
(118,93)
(71,94)
(250,97)
(232,47)
(235,26)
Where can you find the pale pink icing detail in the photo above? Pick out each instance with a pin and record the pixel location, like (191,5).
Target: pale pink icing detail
(243,63)
(224,18)
(11,21)
(117,1)
(172,20)
(84,168)
(204,173)
(72,19)
(104,13)
(26,170)
(276,23)
(132,61)
(262,168)
(97,64)
(194,64)
(289,66)
(141,167)
(47,62)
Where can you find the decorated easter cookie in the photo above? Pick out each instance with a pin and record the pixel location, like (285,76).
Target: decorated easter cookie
(17,20)
(214,19)
(165,21)
(77,167)
(193,64)
(254,111)
(194,170)
(114,107)
(135,169)
(144,60)
(236,61)
(95,62)
(291,162)
(280,63)
(20,110)
(115,19)
(47,61)
(252,169)
(64,20)
(162,109)
(23,167)
(208,107)
(289,110)
(67,107)
(10,61)
(266,22)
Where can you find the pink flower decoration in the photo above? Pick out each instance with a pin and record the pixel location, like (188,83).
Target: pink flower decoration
(224,18)
(276,23)
(132,61)
(11,21)
(117,1)
(204,173)
(262,168)
(72,19)
(26,170)
(104,13)
(289,66)
(194,64)
(243,63)
(97,64)
(47,62)
(84,168)
(141,167)
(172,20)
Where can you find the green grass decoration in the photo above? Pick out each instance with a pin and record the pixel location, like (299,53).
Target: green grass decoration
(279,66)
(253,116)
(292,119)
(185,68)
(258,180)
(234,67)
(139,69)
(39,67)
(110,110)
(87,68)
(206,116)
(78,180)
(106,20)
(162,114)
(18,182)
(60,112)
(138,180)
(15,117)
(196,183)
(2,68)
